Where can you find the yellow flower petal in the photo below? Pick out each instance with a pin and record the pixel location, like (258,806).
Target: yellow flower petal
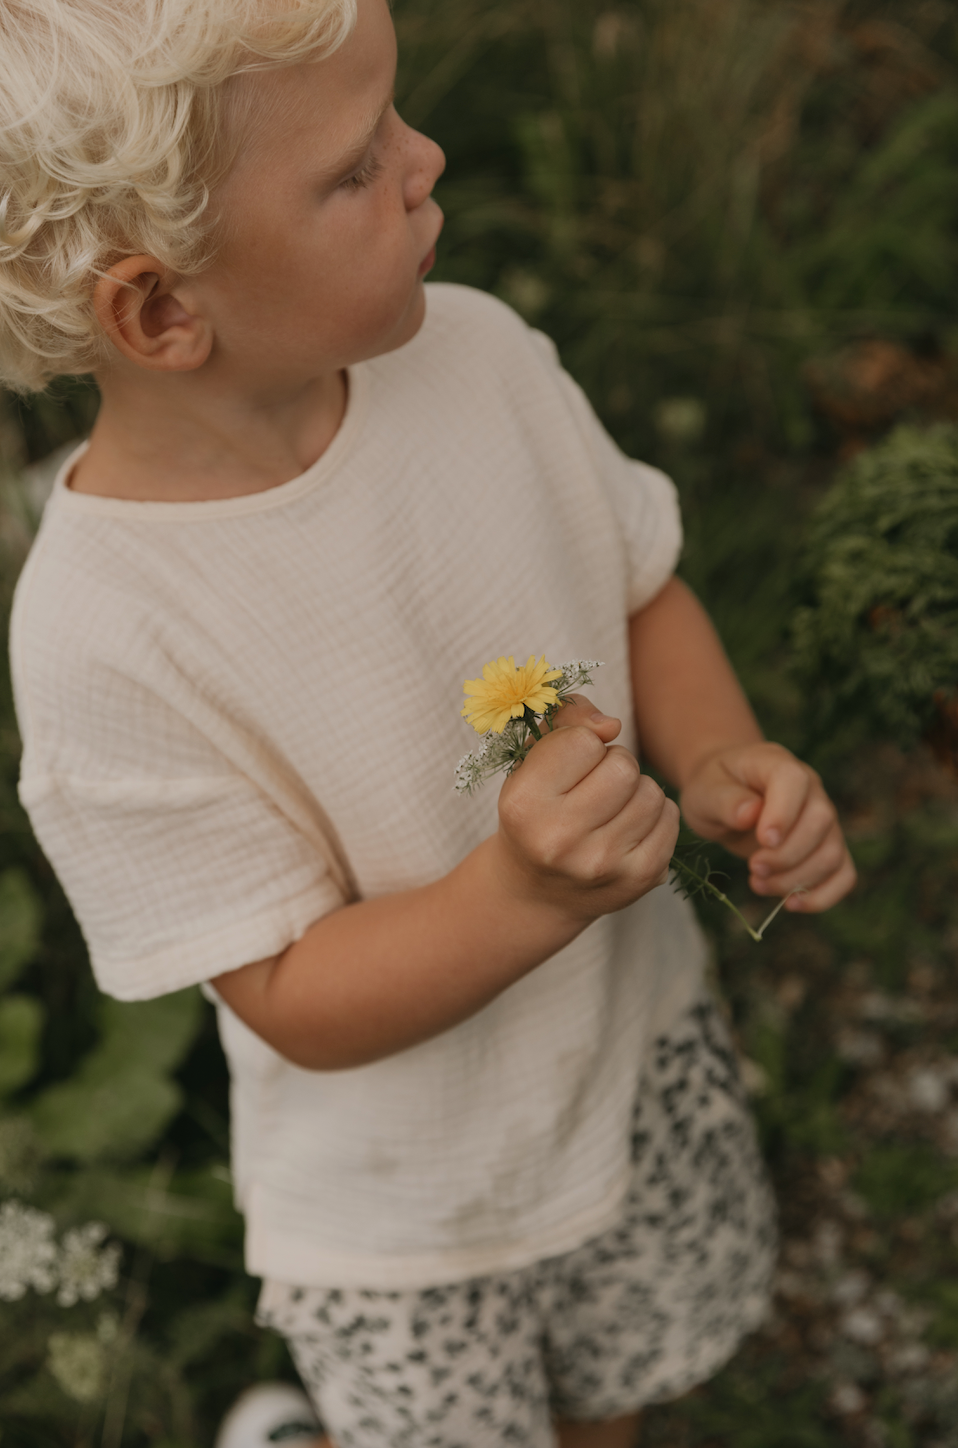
(505,691)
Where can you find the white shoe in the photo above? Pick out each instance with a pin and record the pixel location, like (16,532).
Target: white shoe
(269,1414)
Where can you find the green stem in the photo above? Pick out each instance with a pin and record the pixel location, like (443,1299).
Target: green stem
(704,883)
(799,890)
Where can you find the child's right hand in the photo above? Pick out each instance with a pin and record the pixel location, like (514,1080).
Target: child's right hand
(581,828)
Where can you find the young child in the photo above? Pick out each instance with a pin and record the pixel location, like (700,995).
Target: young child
(488,1134)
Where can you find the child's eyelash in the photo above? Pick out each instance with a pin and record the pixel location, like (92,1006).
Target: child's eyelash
(365,174)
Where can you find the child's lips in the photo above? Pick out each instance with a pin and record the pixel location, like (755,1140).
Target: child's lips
(428,262)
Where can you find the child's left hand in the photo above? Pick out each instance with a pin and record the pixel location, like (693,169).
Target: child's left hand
(762,803)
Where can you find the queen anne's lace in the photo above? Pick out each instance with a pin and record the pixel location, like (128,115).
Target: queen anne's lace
(86,1268)
(81,1267)
(27,1251)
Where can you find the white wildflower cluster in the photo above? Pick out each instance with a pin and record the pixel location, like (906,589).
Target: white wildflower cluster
(501,753)
(575,675)
(80,1360)
(81,1267)
(27,1251)
(86,1267)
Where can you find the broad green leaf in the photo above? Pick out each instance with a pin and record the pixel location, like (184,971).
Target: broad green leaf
(151,1035)
(120,1099)
(20,921)
(92,1117)
(21,1021)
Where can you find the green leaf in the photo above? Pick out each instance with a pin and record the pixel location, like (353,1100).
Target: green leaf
(119,1101)
(189,1214)
(93,1117)
(152,1036)
(21,1021)
(20,921)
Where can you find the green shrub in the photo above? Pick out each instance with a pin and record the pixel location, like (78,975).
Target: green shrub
(878,638)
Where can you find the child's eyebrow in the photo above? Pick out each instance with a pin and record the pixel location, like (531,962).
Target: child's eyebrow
(355,151)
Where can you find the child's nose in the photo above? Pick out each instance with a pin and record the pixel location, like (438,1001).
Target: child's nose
(427,162)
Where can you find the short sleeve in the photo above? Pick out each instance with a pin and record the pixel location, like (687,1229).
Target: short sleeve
(177,863)
(176,880)
(643,499)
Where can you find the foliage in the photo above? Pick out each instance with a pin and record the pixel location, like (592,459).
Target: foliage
(878,638)
(695,198)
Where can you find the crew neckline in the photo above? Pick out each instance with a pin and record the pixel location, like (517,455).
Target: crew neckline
(357,388)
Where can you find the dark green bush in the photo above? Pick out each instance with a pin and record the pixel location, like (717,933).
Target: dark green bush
(878,638)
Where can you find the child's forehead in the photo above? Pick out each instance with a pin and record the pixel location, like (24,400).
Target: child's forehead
(330,106)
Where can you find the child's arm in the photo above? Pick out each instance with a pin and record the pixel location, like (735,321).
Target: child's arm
(696,726)
(581,833)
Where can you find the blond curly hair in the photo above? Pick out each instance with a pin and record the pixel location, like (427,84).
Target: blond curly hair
(112,133)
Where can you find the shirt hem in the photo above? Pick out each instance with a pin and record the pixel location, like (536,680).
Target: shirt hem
(279,1255)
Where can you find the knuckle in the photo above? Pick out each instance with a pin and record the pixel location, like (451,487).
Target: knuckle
(595,868)
(822,811)
(513,807)
(651,795)
(551,845)
(619,761)
(585,745)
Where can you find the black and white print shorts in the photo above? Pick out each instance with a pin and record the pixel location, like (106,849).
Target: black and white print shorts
(640,1313)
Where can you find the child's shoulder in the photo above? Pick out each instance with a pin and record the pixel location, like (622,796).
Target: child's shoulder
(473,344)
(452,302)
(456,314)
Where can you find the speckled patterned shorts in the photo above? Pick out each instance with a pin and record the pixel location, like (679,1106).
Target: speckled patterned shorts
(640,1313)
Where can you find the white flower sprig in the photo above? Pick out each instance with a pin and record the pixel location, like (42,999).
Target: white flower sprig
(82,1266)
(502,752)
(27,1251)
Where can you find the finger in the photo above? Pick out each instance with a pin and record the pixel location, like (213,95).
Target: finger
(787,789)
(638,816)
(652,854)
(816,823)
(828,893)
(820,866)
(558,762)
(578,710)
(608,789)
(638,842)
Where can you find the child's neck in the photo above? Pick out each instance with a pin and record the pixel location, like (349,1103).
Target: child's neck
(179,438)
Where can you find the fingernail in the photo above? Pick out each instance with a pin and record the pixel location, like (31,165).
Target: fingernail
(796,902)
(598,716)
(761,870)
(773,838)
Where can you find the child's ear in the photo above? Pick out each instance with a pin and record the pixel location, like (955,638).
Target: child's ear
(138,308)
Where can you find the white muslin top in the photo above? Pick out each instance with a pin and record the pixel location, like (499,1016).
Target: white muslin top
(209,691)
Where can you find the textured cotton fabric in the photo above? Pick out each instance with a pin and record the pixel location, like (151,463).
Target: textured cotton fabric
(235,711)
(642,1312)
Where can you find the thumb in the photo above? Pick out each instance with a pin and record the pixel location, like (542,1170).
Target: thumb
(578,710)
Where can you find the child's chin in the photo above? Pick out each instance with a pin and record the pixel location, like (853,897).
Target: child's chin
(413,319)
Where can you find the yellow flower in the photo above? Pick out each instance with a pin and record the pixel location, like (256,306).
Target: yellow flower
(505,691)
